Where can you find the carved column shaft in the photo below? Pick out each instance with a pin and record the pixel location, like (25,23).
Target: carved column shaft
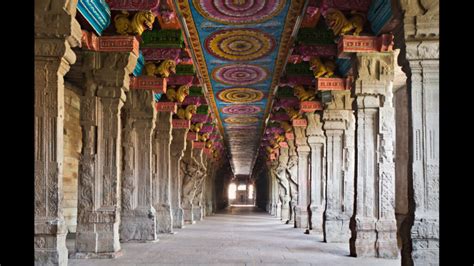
(107,77)
(138,214)
(56,31)
(161,173)
(283,180)
(178,145)
(302,215)
(292,171)
(339,125)
(317,143)
(198,185)
(375,230)
(188,169)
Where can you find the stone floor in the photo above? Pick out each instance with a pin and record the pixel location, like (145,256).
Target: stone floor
(237,236)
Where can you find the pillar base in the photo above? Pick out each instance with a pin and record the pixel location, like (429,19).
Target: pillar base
(317,220)
(278,210)
(301,217)
(178,220)
(285,214)
(50,243)
(425,241)
(337,230)
(92,255)
(197,213)
(374,239)
(138,225)
(188,216)
(164,220)
(100,236)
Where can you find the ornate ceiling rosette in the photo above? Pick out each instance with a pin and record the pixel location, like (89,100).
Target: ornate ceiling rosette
(240,74)
(241,120)
(240,95)
(240,44)
(237,12)
(241,109)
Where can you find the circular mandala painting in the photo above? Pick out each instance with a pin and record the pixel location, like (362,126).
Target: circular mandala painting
(239,74)
(240,95)
(239,11)
(241,120)
(241,109)
(239,44)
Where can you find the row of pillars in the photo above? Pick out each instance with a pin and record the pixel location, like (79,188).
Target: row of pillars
(337,177)
(137,176)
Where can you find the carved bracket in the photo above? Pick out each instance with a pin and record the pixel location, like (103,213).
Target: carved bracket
(90,41)
(334,84)
(299,123)
(310,106)
(158,85)
(181,123)
(364,44)
(170,107)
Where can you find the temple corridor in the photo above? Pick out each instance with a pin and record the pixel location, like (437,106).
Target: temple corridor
(154,119)
(237,236)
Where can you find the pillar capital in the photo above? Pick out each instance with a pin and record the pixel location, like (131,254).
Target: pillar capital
(314,131)
(340,100)
(109,71)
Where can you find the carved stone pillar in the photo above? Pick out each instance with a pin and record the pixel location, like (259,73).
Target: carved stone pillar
(138,214)
(189,168)
(161,172)
(374,232)
(292,171)
(274,183)
(317,143)
(284,184)
(302,149)
(56,31)
(269,187)
(420,61)
(178,145)
(99,188)
(339,125)
(198,185)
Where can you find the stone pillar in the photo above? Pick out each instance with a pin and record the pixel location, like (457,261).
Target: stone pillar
(99,188)
(178,145)
(339,125)
(292,171)
(420,61)
(138,214)
(269,177)
(302,149)
(188,169)
(56,31)
(317,143)
(161,172)
(276,204)
(198,185)
(284,184)
(374,232)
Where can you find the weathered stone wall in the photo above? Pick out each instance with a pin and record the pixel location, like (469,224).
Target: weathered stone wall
(72,150)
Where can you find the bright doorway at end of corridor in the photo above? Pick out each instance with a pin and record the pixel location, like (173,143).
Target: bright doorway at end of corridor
(241,193)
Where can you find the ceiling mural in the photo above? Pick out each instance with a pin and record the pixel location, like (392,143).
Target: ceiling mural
(240,47)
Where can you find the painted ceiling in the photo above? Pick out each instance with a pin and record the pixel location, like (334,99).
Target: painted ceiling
(241,47)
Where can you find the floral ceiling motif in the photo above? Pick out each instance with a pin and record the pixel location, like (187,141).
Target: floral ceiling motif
(239,74)
(240,44)
(241,109)
(237,12)
(240,95)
